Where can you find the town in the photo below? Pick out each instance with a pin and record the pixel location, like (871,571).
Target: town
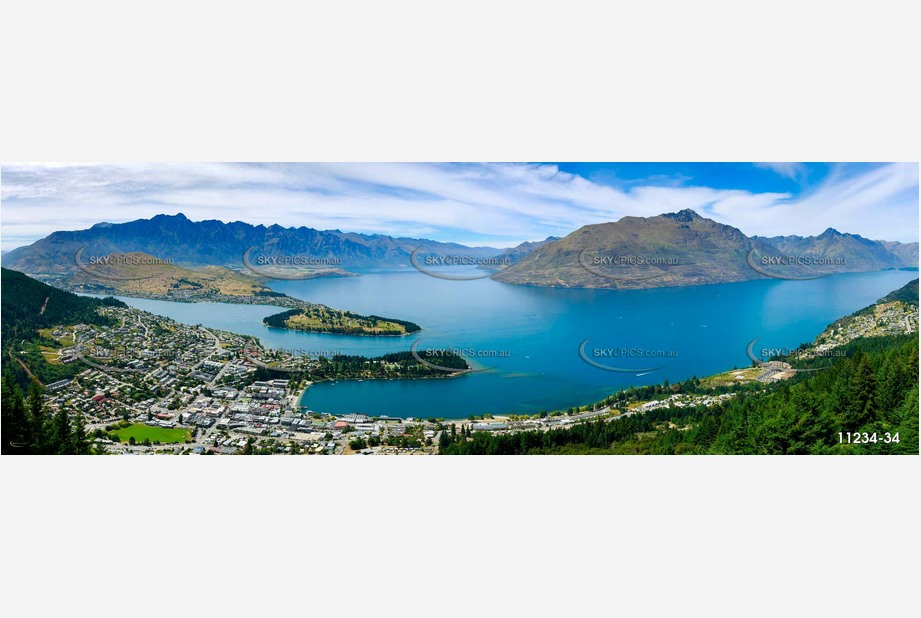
(157,386)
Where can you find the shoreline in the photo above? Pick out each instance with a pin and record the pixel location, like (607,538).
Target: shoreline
(321,332)
(310,383)
(229,300)
(689,285)
(303,392)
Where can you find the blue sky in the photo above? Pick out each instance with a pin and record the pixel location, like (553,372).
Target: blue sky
(498,204)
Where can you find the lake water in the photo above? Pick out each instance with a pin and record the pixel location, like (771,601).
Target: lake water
(527,339)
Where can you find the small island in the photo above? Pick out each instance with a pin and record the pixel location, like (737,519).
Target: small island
(321,319)
(393,366)
(140,275)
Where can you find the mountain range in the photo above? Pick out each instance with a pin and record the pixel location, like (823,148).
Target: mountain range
(672,249)
(515,254)
(684,248)
(873,254)
(215,243)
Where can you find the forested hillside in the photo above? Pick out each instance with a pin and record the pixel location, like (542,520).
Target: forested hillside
(907,294)
(874,390)
(28,305)
(28,428)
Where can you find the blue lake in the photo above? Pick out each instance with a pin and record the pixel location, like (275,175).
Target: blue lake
(527,339)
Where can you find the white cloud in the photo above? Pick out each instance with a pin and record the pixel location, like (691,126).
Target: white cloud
(793,171)
(879,204)
(499,204)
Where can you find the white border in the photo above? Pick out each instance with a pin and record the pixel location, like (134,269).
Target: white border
(347,81)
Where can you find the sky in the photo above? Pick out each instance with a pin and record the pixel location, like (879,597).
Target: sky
(495,204)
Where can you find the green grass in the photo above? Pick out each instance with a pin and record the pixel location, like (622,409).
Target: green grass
(50,355)
(155,434)
(65,341)
(728,378)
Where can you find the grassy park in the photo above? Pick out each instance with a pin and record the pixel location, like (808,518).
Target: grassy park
(141,432)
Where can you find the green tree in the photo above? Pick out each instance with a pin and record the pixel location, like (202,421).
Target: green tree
(861,404)
(15,427)
(37,420)
(61,438)
(81,443)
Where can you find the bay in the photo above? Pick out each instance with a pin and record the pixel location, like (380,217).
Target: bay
(526,340)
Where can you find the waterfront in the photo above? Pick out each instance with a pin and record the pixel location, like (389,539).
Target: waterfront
(528,338)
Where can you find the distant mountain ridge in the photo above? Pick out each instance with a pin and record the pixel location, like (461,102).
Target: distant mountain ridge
(215,243)
(866,254)
(683,248)
(515,254)
(672,249)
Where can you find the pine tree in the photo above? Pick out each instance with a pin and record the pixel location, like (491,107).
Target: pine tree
(61,442)
(81,444)
(443,440)
(861,405)
(908,426)
(37,420)
(15,426)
